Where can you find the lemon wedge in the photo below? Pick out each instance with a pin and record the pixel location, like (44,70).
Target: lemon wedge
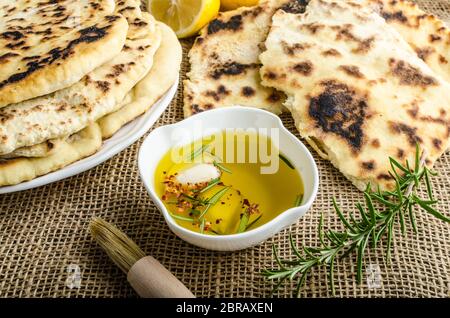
(234,4)
(185,17)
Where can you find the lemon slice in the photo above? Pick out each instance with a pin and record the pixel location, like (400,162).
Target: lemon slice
(234,4)
(185,17)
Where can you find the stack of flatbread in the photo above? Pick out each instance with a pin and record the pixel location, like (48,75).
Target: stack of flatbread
(72,73)
(365,80)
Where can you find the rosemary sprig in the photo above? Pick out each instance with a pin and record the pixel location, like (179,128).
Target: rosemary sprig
(377,218)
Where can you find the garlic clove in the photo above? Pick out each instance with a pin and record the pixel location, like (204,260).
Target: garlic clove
(199,173)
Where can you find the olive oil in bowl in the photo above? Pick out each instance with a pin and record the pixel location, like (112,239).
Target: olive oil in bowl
(227,183)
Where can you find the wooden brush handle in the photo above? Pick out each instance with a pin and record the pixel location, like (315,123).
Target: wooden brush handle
(152,280)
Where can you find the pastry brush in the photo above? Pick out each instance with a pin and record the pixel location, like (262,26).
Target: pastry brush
(145,274)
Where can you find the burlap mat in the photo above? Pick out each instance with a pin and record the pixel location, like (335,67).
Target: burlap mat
(44,230)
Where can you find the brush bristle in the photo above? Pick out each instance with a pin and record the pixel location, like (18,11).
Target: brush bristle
(119,247)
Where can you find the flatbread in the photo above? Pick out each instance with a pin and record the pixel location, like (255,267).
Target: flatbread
(131,10)
(224,62)
(358,92)
(78,146)
(47,45)
(43,149)
(161,77)
(71,109)
(428,36)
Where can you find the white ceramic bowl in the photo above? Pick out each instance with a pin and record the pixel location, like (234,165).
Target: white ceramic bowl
(159,141)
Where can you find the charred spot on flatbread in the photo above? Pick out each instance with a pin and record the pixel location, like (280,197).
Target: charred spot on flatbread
(331,52)
(139,23)
(196,108)
(368,165)
(231,69)
(253,12)
(126,9)
(275,97)
(270,75)
(313,27)
(344,33)
(248,91)
(295,6)
(375,143)
(352,70)
(424,52)
(117,70)
(437,143)
(396,15)
(408,131)
(218,94)
(442,59)
(292,49)
(12,35)
(410,75)
(384,176)
(86,35)
(341,110)
(434,38)
(304,68)
(103,85)
(4,58)
(233,24)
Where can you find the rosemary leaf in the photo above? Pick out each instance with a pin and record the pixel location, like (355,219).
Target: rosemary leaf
(361,250)
(341,216)
(412,217)
(243,222)
(286,161)
(277,259)
(217,196)
(197,152)
(294,247)
(298,200)
(253,222)
(201,216)
(432,211)
(181,218)
(331,275)
(320,231)
(428,183)
(211,184)
(221,167)
(213,200)
(202,226)
(402,221)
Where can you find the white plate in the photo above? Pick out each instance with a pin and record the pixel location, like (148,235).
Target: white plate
(127,135)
